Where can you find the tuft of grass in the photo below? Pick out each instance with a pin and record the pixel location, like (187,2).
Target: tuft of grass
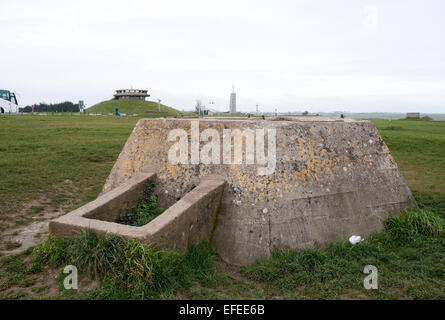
(51,252)
(36,209)
(126,268)
(415,222)
(11,245)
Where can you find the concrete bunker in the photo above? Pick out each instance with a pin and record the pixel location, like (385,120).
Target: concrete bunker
(330,179)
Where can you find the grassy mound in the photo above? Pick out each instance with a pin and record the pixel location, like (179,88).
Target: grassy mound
(144,108)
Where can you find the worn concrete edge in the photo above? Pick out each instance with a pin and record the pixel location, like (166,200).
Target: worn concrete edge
(203,190)
(75,221)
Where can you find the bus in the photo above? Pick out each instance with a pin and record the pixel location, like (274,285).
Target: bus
(8,102)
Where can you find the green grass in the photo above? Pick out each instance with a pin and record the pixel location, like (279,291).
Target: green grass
(59,160)
(12,245)
(141,214)
(415,222)
(127,269)
(145,211)
(63,161)
(143,108)
(419,150)
(410,269)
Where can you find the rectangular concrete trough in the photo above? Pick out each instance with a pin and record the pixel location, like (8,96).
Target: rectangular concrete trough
(186,222)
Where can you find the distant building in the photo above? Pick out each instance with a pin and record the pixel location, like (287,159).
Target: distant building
(207,112)
(232,108)
(204,111)
(131,94)
(413,115)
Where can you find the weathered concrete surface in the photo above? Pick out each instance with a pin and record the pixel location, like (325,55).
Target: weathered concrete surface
(333,179)
(187,222)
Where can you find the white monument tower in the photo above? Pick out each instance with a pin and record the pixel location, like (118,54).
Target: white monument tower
(233,101)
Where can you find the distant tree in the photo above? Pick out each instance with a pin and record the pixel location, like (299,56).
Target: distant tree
(66,106)
(198,106)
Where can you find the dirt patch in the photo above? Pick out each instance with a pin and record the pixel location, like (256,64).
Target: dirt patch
(46,285)
(231,270)
(17,239)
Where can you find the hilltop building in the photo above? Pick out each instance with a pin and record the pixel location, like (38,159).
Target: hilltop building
(131,94)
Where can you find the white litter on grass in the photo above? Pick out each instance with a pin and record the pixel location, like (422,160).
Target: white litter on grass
(355,239)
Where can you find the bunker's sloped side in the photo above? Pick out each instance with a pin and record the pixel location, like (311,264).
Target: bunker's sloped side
(331,179)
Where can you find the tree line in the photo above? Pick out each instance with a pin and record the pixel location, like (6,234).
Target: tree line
(66,106)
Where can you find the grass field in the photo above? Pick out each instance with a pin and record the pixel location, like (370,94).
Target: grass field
(55,162)
(52,164)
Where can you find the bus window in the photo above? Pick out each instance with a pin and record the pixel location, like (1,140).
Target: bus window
(4,94)
(13,99)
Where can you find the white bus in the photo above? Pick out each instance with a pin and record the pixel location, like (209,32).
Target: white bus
(8,102)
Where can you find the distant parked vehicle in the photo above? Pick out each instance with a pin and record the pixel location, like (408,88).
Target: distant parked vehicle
(8,102)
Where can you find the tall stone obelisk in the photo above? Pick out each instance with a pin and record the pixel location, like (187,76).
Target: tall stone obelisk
(233,101)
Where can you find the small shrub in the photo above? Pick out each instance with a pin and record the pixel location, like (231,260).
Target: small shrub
(145,211)
(142,214)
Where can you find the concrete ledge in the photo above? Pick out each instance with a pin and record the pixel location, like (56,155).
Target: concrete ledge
(187,222)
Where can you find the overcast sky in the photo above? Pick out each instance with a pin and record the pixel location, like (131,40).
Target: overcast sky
(349,55)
